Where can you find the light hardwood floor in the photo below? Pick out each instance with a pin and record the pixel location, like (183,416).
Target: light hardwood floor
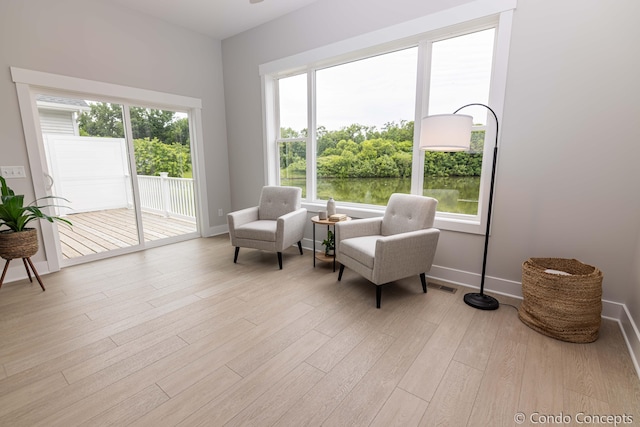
(179,335)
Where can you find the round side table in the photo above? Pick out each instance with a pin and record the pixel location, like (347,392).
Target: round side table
(321,256)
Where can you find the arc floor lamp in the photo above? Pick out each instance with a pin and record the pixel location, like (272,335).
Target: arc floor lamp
(452,132)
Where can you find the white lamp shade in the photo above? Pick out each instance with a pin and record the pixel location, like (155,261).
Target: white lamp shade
(446,132)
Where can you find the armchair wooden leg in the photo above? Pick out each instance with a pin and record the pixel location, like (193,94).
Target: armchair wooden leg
(280,260)
(300,246)
(235,257)
(341,271)
(378,295)
(423,279)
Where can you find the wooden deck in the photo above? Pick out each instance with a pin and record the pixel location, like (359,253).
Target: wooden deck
(101,231)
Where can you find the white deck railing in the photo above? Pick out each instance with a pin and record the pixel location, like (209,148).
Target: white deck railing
(171,197)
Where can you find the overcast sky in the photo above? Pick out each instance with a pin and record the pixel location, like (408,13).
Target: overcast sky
(382,89)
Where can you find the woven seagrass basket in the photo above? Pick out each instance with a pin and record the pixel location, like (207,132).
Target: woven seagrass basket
(563,306)
(18,244)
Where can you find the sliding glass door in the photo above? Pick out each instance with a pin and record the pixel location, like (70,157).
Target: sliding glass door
(126,171)
(164,172)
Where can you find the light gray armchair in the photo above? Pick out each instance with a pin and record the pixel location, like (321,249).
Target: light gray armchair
(400,244)
(274,225)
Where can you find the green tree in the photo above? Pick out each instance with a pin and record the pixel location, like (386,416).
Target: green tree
(385,167)
(393,131)
(153,157)
(104,120)
(330,139)
(403,161)
(292,151)
(151,123)
(477,141)
(179,131)
(291,133)
(388,153)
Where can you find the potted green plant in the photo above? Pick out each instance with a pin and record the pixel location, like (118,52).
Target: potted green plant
(329,243)
(18,240)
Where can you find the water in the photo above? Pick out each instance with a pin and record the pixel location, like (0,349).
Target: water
(454,194)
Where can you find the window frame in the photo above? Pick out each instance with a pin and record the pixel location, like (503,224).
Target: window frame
(465,19)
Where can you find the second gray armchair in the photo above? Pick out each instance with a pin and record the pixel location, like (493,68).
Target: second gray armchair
(274,225)
(400,244)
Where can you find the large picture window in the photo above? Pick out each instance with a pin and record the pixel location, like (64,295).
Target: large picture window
(348,127)
(364,132)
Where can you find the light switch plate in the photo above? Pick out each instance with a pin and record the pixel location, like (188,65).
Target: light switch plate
(12,172)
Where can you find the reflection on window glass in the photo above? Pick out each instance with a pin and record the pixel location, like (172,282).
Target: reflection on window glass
(365,112)
(292,145)
(460,75)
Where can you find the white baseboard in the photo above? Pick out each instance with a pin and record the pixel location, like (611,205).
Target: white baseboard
(610,309)
(631,336)
(216,230)
(496,285)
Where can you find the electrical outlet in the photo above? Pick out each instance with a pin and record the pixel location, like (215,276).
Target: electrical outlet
(12,172)
(219,212)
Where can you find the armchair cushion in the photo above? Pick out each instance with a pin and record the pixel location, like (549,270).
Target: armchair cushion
(408,212)
(361,249)
(258,230)
(277,201)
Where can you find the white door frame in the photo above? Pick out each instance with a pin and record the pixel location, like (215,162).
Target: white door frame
(29,82)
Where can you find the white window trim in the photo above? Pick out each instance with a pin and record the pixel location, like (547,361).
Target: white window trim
(28,82)
(455,20)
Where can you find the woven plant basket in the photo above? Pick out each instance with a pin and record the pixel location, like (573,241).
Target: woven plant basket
(18,244)
(565,307)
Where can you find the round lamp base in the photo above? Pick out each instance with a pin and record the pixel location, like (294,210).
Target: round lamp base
(481,301)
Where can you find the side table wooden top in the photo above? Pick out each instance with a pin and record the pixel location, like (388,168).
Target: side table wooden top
(317,220)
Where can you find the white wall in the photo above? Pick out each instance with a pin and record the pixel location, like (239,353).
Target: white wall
(100,41)
(569,156)
(567,182)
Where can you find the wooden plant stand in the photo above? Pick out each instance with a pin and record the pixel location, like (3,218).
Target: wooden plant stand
(27,264)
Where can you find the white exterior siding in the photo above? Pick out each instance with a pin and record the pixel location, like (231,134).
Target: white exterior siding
(58,121)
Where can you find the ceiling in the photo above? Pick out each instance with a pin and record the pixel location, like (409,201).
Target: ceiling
(216,18)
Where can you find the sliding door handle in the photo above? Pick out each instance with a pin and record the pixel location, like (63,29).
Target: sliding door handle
(50,179)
